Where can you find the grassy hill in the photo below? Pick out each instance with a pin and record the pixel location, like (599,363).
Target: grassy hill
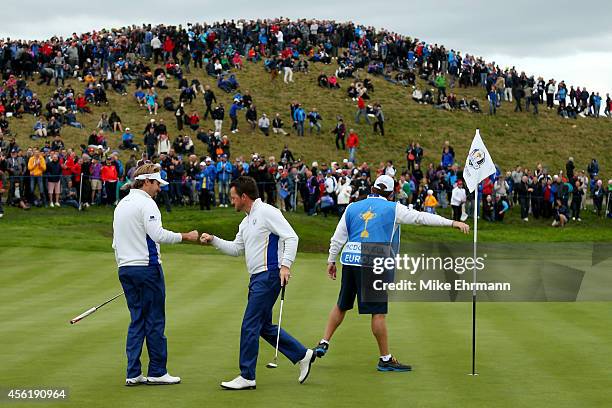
(512,138)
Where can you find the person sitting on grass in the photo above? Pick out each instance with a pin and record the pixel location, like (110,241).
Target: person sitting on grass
(40,128)
(561,214)
(115,122)
(69,196)
(103,123)
(417,95)
(160,80)
(277,125)
(333,82)
(443,103)
(428,97)
(224,84)
(187,95)
(127,140)
(194,121)
(474,106)
(53,127)
(151,99)
(264,124)
(251,117)
(488,208)
(501,208)
(322,80)
(237,61)
(17,200)
(100,96)
(139,95)
(89,93)
(302,66)
(71,120)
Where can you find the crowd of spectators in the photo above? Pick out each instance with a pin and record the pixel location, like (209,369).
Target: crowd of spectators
(115,60)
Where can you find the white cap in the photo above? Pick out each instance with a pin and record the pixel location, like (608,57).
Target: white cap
(386,181)
(202,163)
(153,176)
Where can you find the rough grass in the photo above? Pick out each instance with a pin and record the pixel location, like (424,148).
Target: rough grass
(92,229)
(512,138)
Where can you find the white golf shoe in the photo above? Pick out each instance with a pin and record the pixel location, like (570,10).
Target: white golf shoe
(239,383)
(165,379)
(305,364)
(141,379)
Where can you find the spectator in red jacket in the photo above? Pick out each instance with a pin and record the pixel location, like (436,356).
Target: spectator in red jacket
(352,143)
(109,178)
(81,104)
(67,163)
(194,120)
(361,110)
(168,48)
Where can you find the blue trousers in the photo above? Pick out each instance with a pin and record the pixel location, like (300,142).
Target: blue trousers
(264,288)
(145,293)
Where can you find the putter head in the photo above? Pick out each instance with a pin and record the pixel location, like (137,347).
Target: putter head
(271,365)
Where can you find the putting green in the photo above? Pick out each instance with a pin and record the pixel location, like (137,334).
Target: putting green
(529,354)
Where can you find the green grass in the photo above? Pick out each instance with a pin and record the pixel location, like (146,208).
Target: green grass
(532,354)
(57,263)
(512,138)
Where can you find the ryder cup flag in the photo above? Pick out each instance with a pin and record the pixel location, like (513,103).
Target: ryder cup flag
(479,164)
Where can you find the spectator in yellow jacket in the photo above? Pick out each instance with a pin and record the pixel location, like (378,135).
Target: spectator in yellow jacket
(37,167)
(430,203)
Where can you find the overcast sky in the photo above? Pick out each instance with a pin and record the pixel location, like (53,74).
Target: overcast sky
(569,40)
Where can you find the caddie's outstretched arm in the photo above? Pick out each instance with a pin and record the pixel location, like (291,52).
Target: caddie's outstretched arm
(404,215)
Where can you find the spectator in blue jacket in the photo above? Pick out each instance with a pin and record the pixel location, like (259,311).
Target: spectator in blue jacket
(492,96)
(233,114)
(315,118)
(224,175)
(211,178)
(596,104)
(128,140)
(299,116)
(447,158)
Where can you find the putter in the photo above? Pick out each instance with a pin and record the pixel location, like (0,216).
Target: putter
(92,310)
(280,317)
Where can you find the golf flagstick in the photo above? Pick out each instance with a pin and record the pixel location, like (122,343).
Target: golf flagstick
(474,288)
(92,310)
(478,166)
(280,318)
